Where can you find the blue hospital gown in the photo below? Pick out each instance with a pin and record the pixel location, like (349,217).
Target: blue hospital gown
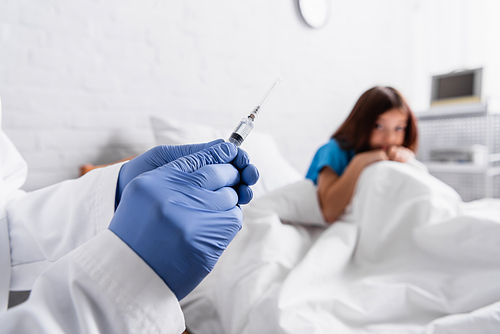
(330,155)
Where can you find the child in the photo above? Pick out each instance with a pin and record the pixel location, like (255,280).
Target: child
(381,126)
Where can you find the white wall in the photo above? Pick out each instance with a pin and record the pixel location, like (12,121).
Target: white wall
(452,35)
(79,80)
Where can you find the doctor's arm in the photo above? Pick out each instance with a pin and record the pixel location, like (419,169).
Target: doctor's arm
(335,192)
(46,224)
(170,228)
(101,287)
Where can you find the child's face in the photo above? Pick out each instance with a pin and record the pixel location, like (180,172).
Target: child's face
(389,130)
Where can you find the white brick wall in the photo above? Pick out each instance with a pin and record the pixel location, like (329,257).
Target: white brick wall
(79,80)
(453,35)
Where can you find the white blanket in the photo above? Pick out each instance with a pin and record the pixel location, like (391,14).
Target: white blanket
(408,256)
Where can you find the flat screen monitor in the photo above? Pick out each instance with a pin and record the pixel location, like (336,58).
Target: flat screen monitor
(457,87)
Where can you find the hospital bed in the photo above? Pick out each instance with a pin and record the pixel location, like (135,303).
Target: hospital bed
(407,256)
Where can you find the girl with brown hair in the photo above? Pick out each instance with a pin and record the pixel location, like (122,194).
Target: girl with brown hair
(381,126)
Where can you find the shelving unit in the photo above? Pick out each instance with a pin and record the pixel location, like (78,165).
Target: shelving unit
(455,126)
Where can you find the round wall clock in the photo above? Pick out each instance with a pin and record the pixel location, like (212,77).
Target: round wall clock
(315,13)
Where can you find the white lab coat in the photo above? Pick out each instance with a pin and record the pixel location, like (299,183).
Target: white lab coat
(84,279)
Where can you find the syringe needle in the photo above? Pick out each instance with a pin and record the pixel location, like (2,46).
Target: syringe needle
(269,92)
(265,97)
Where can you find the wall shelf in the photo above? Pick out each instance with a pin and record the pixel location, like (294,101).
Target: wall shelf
(454,110)
(455,168)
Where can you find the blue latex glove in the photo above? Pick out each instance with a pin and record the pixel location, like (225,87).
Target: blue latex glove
(180,217)
(161,155)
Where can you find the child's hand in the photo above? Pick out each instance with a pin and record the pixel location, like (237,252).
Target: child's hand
(370,157)
(400,153)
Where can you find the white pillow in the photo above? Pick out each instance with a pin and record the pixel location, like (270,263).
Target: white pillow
(274,170)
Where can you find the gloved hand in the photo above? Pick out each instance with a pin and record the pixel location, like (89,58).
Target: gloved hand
(180,217)
(161,155)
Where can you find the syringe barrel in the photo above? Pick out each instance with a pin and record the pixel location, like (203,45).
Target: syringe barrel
(241,132)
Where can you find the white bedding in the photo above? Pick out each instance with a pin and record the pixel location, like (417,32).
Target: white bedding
(408,256)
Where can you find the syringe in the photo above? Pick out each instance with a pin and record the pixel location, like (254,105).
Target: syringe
(246,125)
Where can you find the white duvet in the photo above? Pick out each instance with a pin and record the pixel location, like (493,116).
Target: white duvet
(408,256)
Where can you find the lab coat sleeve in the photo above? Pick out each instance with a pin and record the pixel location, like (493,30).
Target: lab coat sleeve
(101,287)
(46,224)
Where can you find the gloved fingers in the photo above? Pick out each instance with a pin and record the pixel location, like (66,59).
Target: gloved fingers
(163,154)
(245,194)
(242,159)
(250,175)
(218,154)
(222,199)
(231,226)
(193,148)
(213,142)
(213,177)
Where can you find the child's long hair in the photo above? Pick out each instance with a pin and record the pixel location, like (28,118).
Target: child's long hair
(356,130)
